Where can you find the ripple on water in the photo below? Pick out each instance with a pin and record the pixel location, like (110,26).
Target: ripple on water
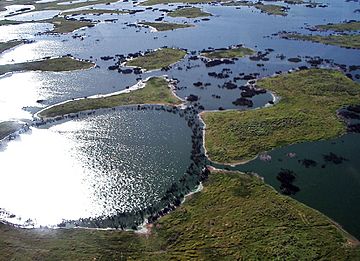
(98,166)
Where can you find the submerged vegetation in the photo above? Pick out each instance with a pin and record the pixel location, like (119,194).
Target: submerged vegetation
(10,44)
(163,26)
(236,52)
(157,59)
(53,64)
(235,216)
(156,91)
(305,112)
(189,12)
(347,41)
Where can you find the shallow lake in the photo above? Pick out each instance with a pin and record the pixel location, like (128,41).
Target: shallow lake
(125,160)
(333,189)
(101,165)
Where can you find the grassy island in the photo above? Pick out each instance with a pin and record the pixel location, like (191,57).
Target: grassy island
(347,41)
(53,5)
(93,12)
(236,216)
(10,44)
(189,12)
(156,2)
(306,112)
(163,26)
(53,64)
(340,27)
(269,8)
(10,22)
(237,52)
(63,26)
(156,91)
(157,59)
(8,127)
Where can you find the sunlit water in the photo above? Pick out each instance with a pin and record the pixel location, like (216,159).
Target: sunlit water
(227,26)
(98,166)
(108,163)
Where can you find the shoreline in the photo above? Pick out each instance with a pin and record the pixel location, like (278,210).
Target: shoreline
(137,86)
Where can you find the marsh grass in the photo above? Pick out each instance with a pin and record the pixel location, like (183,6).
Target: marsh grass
(156,91)
(157,59)
(306,112)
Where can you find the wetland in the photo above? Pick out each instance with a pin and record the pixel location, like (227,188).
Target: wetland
(123,125)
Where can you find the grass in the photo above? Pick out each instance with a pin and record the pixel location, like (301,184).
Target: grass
(347,41)
(156,91)
(272,9)
(10,22)
(190,12)
(235,217)
(54,65)
(157,59)
(269,9)
(53,5)
(63,26)
(8,127)
(306,112)
(340,27)
(10,44)
(163,26)
(93,12)
(237,52)
(156,2)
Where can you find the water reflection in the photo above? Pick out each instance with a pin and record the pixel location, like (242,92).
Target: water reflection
(36,15)
(22,31)
(29,52)
(18,91)
(119,161)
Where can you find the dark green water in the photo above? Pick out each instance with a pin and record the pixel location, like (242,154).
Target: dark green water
(333,189)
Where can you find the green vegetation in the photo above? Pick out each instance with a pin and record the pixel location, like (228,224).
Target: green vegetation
(340,27)
(272,9)
(93,12)
(8,127)
(55,65)
(166,26)
(63,26)
(269,9)
(156,91)
(157,59)
(236,217)
(294,2)
(306,112)
(10,22)
(156,2)
(8,45)
(190,12)
(53,5)
(237,52)
(347,41)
